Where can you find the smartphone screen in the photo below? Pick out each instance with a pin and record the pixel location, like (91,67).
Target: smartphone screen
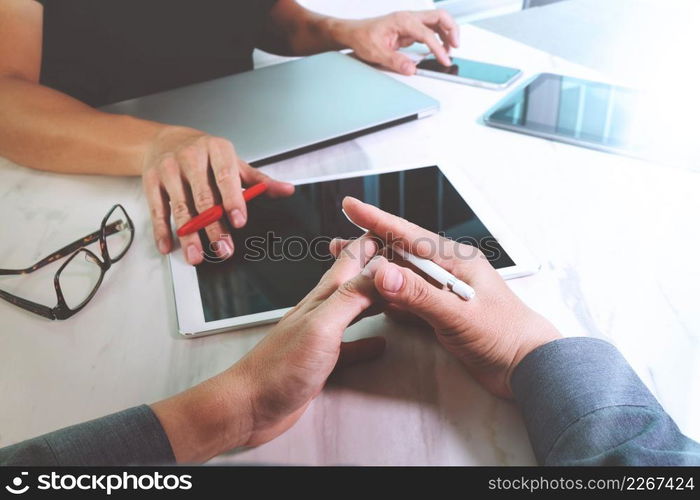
(472,70)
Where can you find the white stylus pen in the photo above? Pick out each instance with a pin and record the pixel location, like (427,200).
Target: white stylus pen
(445,278)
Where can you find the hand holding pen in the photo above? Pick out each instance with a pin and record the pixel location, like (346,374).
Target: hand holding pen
(430,268)
(490,333)
(206,218)
(216,212)
(185,173)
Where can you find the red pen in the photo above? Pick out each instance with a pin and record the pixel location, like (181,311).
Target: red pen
(217,211)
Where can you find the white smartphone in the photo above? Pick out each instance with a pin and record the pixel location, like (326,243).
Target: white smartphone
(468,72)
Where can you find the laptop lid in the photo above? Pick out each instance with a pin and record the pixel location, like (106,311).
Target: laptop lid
(287,108)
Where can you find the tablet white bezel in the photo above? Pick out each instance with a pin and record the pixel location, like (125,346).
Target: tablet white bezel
(188,301)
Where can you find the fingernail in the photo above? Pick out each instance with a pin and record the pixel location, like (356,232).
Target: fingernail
(192,254)
(238,218)
(223,249)
(370,268)
(393,280)
(407,68)
(162,246)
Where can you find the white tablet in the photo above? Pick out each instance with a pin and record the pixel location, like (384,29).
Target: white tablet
(282,251)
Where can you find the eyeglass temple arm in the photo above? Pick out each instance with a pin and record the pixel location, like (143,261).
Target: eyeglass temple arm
(110,229)
(40,309)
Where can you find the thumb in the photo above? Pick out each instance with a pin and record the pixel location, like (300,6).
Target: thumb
(402,287)
(401,63)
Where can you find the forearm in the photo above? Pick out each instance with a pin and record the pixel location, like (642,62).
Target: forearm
(200,423)
(44,129)
(208,419)
(293,30)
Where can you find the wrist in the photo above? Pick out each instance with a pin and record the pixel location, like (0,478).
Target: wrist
(546,333)
(338,32)
(237,394)
(129,145)
(208,419)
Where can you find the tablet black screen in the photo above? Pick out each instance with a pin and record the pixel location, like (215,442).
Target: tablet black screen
(283,250)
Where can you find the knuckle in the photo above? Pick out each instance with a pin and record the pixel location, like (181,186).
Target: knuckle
(157,215)
(203,198)
(463,250)
(450,247)
(216,231)
(347,290)
(224,173)
(429,37)
(180,209)
(402,17)
(160,228)
(418,293)
(404,229)
(469,254)
(219,143)
(199,168)
(213,141)
(473,252)
(402,226)
(150,177)
(396,60)
(215,235)
(200,141)
(189,151)
(377,46)
(191,156)
(324,289)
(168,163)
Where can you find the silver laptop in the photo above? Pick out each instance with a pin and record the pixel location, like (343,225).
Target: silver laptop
(289,108)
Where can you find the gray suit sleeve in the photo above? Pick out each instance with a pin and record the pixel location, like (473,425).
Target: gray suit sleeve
(584,405)
(130,437)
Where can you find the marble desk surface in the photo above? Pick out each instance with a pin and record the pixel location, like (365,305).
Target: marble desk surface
(617,239)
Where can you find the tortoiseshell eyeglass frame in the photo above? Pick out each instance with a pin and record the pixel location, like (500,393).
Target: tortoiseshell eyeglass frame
(62,310)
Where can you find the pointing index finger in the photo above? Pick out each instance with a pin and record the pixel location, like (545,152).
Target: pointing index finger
(440,21)
(421,33)
(396,231)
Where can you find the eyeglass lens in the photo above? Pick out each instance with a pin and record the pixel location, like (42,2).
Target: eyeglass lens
(120,236)
(79,278)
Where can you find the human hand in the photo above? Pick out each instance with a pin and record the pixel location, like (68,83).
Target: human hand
(288,369)
(186,172)
(378,39)
(490,333)
(267,391)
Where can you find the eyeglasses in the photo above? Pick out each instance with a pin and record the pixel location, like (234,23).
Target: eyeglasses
(81,275)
